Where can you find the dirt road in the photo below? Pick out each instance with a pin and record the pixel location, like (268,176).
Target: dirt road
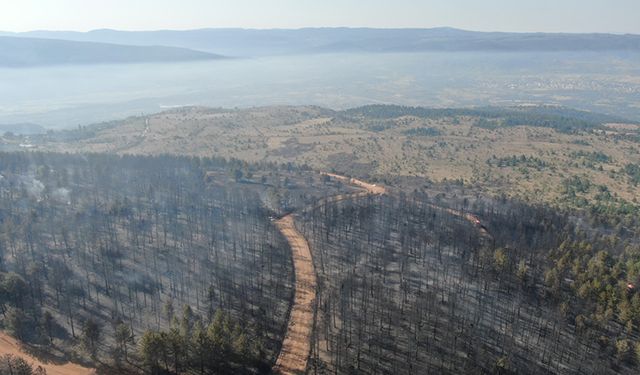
(296,346)
(473,219)
(9,345)
(376,189)
(371,188)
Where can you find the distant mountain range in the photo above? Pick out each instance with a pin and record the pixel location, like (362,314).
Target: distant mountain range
(26,52)
(253,42)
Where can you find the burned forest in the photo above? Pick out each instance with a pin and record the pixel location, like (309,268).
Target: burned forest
(178,263)
(169,262)
(314,188)
(412,284)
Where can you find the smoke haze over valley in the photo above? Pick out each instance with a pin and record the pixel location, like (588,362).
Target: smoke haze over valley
(337,187)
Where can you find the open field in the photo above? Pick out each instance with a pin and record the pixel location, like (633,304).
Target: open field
(529,162)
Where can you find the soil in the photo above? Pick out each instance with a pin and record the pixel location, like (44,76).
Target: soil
(296,345)
(9,345)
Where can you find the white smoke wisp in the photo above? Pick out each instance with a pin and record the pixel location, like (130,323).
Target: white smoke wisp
(61,195)
(34,187)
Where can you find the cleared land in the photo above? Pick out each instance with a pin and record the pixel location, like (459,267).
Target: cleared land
(530,162)
(297,342)
(294,355)
(9,345)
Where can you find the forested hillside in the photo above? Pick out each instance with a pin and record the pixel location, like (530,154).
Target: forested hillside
(31,52)
(406,285)
(490,240)
(160,262)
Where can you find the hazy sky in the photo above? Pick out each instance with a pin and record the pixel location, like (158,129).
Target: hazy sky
(620,16)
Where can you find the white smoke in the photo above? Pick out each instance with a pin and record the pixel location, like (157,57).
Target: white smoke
(61,195)
(34,187)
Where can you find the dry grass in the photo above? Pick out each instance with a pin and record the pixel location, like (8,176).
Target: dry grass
(326,140)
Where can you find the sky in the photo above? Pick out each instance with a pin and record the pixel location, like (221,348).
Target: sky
(616,16)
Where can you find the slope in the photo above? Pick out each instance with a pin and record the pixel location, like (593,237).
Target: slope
(27,52)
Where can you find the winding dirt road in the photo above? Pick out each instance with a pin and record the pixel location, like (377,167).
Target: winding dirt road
(370,188)
(294,354)
(473,219)
(296,347)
